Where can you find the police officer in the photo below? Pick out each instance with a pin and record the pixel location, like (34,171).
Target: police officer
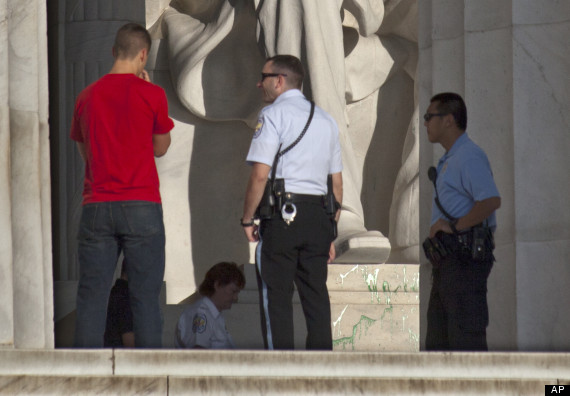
(202,324)
(295,242)
(458,313)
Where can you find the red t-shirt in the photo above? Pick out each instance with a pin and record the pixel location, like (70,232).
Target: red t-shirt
(115,117)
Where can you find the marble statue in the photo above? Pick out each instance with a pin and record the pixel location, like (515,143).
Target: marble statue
(360,57)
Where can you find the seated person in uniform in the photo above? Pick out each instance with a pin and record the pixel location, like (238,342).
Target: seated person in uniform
(119,329)
(202,325)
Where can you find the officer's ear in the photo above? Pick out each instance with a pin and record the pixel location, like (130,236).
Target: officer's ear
(281,82)
(448,120)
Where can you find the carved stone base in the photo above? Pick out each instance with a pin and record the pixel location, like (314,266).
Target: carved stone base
(375,307)
(362,247)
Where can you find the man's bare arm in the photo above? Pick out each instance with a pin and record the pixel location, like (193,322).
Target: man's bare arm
(160,143)
(337,191)
(478,213)
(82,150)
(253,195)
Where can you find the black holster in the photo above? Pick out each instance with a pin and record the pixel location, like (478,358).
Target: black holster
(331,205)
(435,250)
(476,244)
(271,200)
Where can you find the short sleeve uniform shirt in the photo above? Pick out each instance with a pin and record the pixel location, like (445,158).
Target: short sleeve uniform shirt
(202,325)
(463,176)
(306,166)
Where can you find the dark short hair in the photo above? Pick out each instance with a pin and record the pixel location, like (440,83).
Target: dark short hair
(224,273)
(130,39)
(452,103)
(290,65)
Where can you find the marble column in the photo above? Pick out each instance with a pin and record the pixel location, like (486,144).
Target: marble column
(510,62)
(26,313)
(541,100)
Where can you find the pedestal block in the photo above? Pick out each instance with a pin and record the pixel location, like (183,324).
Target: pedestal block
(375,307)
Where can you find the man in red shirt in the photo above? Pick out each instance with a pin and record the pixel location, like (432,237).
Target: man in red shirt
(120,124)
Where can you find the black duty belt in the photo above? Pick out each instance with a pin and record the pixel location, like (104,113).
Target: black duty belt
(465,238)
(296,198)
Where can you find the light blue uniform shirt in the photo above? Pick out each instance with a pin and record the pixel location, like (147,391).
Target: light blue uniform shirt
(463,176)
(202,325)
(306,166)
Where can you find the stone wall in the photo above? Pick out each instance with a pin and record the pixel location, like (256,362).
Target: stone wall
(510,61)
(25,213)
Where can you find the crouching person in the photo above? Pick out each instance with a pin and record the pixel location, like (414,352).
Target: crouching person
(202,325)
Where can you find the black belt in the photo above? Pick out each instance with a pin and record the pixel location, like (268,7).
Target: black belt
(465,238)
(295,198)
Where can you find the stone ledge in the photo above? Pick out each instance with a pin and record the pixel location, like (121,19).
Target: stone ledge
(303,364)
(172,386)
(184,372)
(103,362)
(83,385)
(67,362)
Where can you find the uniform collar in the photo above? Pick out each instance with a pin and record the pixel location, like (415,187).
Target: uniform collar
(211,307)
(291,93)
(461,140)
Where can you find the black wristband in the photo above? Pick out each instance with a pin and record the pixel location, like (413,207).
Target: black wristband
(452,226)
(250,224)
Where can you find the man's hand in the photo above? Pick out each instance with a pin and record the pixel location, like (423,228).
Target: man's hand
(251,233)
(332,253)
(144,75)
(440,225)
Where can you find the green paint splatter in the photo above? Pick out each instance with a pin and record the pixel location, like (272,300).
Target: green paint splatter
(357,330)
(365,322)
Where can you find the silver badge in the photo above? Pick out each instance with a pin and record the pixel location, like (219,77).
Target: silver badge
(288,212)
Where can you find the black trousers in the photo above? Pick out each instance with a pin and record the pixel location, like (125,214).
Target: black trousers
(458,314)
(295,254)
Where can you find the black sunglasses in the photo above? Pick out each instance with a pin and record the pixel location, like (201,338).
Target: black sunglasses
(265,75)
(429,116)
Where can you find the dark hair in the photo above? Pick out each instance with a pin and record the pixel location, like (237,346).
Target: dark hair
(224,273)
(452,103)
(130,39)
(290,65)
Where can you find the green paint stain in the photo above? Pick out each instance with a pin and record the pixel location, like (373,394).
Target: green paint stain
(364,322)
(361,329)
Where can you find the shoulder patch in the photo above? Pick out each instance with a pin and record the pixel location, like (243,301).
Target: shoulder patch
(258,128)
(199,323)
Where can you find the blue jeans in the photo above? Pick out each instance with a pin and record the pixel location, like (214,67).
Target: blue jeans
(106,229)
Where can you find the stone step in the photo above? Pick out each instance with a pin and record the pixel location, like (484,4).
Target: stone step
(278,372)
(172,386)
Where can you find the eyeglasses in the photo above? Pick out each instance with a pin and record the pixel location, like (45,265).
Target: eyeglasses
(429,116)
(265,75)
